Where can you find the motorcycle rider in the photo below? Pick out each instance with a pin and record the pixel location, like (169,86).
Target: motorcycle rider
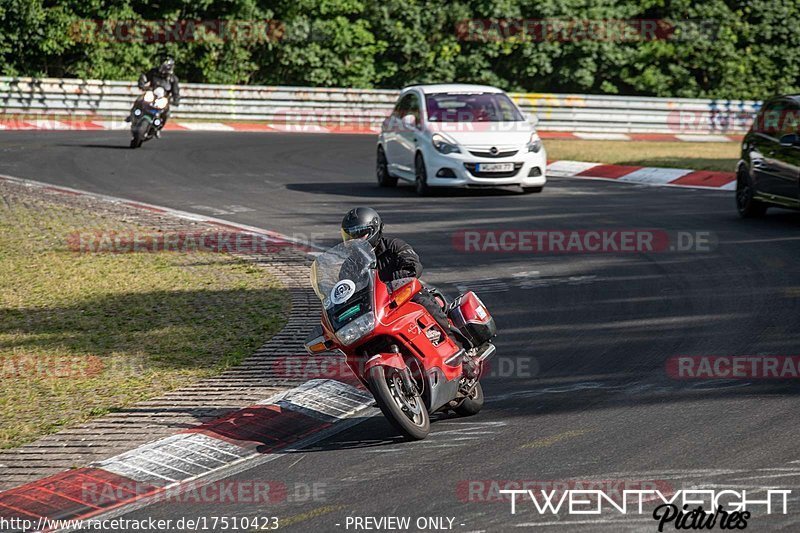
(396,259)
(162,76)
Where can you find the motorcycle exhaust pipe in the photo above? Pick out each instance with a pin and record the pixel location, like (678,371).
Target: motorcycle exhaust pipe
(474,365)
(486,353)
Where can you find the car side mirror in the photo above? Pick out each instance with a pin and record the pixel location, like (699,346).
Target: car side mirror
(533,118)
(410,121)
(791,139)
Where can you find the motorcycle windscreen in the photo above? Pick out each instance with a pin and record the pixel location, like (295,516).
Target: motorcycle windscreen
(342,272)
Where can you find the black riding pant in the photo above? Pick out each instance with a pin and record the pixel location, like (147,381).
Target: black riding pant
(427,300)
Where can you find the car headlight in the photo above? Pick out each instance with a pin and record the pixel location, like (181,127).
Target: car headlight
(356,329)
(444,145)
(535,143)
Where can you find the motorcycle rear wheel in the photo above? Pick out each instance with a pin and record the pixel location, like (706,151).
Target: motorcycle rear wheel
(473,404)
(392,399)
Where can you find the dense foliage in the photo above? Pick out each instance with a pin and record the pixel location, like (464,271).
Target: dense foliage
(703,48)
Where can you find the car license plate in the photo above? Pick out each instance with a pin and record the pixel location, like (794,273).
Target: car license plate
(494,167)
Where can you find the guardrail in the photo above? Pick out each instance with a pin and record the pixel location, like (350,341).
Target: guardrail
(367,108)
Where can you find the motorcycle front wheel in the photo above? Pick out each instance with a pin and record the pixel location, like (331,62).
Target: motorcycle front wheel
(140,133)
(407,413)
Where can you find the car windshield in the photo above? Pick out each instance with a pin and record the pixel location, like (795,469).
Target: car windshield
(342,271)
(464,107)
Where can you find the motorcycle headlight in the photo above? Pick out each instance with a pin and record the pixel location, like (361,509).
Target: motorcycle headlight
(444,145)
(535,143)
(137,112)
(356,329)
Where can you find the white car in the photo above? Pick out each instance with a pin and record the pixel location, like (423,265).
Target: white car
(458,135)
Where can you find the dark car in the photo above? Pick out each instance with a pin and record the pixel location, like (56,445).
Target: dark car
(768,174)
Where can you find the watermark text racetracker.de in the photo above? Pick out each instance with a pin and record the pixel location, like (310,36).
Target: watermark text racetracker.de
(176,31)
(578,30)
(196,31)
(335,367)
(766,367)
(223,492)
(183,242)
(501,490)
(582,241)
(50,367)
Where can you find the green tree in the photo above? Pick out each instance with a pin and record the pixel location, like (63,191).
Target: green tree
(726,49)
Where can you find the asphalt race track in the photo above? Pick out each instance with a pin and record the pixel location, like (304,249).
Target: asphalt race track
(579,389)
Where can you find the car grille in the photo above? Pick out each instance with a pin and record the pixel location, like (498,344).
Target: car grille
(471,169)
(481,153)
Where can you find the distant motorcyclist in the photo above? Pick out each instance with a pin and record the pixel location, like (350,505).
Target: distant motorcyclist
(162,76)
(396,258)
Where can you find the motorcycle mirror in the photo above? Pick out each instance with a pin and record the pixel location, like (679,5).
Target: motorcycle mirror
(316,342)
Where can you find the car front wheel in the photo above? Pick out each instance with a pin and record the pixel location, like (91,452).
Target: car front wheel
(421,177)
(746,203)
(382,170)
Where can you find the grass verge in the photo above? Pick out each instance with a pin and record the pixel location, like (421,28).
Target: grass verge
(693,155)
(85,334)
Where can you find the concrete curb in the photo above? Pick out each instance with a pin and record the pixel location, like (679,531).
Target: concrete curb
(664,177)
(290,420)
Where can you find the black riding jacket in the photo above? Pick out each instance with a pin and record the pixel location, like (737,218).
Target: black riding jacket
(154,79)
(396,260)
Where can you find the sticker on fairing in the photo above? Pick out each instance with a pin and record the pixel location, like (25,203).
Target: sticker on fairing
(342,291)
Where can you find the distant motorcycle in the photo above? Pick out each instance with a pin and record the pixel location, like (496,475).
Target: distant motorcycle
(393,345)
(147,115)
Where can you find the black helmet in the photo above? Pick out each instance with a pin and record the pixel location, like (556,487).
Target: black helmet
(362,223)
(167,67)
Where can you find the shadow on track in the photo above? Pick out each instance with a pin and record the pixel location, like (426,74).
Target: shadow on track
(363,189)
(373,432)
(110,146)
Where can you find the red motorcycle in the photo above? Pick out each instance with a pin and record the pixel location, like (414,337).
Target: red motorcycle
(393,345)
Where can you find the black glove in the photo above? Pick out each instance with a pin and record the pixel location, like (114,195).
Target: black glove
(400,274)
